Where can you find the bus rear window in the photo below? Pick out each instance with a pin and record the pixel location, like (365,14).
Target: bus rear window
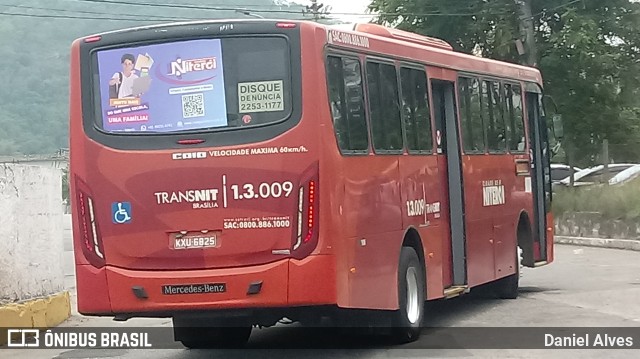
(193,85)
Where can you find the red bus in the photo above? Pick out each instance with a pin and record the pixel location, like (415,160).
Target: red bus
(234,173)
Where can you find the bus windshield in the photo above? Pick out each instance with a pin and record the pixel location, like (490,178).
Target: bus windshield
(192,85)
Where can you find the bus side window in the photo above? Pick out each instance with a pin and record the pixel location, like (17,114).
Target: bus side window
(513,98)
(346,100)
(493,117)
(415,105)
(384,107)
(471,118)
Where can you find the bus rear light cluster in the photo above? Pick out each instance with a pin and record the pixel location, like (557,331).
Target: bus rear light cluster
(91,243)
(300,214)
(94,232)
(310,213)
(307,233)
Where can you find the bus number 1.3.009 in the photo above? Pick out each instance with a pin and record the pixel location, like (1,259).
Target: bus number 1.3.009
(265,190)
(416,207)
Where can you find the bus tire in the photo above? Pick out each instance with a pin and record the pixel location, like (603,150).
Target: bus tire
(507,287)
(213,338)
(407,320)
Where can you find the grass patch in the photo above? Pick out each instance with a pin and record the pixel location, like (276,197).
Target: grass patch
(612,202)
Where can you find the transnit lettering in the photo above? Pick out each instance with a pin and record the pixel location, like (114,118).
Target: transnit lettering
(191,196)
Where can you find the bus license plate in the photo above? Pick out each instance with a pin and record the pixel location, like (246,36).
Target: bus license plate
(193,240)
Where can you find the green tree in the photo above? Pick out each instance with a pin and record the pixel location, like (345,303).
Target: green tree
(588,55)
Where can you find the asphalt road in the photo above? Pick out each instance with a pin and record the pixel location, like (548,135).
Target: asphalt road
(584,287)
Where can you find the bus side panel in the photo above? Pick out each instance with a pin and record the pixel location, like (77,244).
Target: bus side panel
(93,294)
(319,268)
(422,203)
(497,240)
(373,275)
(435,255)
(311,281)
(332,223)
(478,221)
(550,237)
(75,139)
(373,224)
(522,199)
(91,282)
(505,215)
(314,280)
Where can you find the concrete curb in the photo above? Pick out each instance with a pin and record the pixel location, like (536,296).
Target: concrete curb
(628,244)
(38,313)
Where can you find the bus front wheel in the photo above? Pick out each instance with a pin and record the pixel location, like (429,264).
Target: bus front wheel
(411,297)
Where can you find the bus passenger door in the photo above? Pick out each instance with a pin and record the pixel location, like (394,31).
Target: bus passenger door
(447,141)
(540,177)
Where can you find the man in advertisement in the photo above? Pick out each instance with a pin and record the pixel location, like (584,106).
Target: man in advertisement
(121,83)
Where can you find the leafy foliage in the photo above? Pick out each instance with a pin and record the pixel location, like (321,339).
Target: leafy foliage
(620,202)
(588,55)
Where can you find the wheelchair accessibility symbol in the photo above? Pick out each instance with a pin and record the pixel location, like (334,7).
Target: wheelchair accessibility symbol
(121,212)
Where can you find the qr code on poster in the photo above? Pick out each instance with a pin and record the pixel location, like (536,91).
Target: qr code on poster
(193,105)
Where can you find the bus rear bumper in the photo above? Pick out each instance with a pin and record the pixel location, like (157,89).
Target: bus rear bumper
(197,289)
(140,293)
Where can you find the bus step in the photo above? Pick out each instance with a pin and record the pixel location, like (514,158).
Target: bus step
(455,291)
(540,264)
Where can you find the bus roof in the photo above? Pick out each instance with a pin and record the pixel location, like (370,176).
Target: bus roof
(383,40)
(412,46)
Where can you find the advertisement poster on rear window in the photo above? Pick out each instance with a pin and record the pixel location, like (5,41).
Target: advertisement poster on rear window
(163,88)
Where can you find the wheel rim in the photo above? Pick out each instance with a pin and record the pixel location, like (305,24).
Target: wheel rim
(519,266)
(413,305)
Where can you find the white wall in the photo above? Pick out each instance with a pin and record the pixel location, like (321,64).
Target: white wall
(31,230)
(68,258)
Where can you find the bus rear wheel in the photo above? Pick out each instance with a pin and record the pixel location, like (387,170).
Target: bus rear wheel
(407,320)
(203,337)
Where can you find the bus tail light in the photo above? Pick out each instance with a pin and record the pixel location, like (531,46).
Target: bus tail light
(310,210)
(286,25)
(306,235)
(89,40)
(91,243)
(191,142)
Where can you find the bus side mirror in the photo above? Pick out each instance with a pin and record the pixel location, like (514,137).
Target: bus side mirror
(558,127)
